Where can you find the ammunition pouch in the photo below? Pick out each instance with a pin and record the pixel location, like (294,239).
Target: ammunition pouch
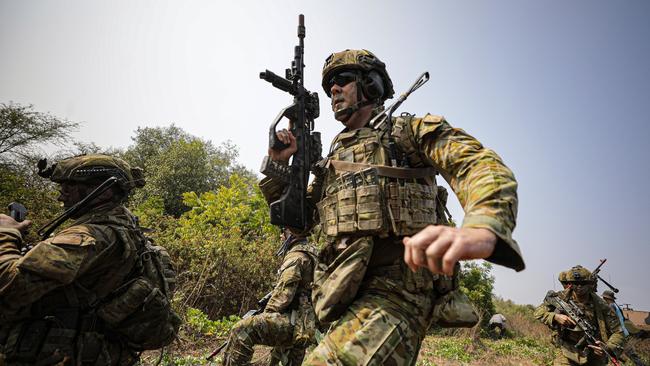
(368,202)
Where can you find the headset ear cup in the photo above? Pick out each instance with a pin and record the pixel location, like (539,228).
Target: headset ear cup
(373,85)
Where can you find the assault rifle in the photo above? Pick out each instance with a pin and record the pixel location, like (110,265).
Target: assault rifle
(261,304)
(571,309)
(291,209)
(596,276)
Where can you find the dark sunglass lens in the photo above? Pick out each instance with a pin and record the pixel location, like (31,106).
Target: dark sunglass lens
(342,79)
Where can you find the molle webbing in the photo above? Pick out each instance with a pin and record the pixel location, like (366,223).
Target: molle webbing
(386,171)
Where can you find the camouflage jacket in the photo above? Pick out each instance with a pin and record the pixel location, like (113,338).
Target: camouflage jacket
(81,263)
(599,314)
(485,187)
(295,277)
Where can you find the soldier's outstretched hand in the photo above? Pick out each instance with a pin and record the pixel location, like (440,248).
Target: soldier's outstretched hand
(9,223)
(288,138)
(439,247)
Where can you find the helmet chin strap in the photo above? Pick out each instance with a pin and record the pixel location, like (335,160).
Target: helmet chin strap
(346,113)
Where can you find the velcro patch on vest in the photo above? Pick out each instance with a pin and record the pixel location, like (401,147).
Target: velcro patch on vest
(76,235)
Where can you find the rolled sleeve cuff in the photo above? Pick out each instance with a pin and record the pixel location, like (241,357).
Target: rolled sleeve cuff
(271,189)
(506,251)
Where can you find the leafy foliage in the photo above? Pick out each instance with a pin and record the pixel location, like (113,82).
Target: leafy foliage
(23,130)
(199,322)
(477,283)
(176,162)
(223,247)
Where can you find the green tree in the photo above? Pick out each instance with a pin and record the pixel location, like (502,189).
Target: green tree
(176,162)
(477,282)
(224,247)
(23,130)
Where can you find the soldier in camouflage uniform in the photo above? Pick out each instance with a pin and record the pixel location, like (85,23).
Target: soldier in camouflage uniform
(578,285)
(49,296)
(384,246)
(288,322)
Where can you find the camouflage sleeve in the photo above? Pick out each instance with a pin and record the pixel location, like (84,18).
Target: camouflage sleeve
(50,264)
(10,241)
(545,314)
(291,272)
(272,190)
(616,340)
(485,187)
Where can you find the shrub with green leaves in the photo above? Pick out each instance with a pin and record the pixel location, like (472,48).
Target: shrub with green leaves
(223,247)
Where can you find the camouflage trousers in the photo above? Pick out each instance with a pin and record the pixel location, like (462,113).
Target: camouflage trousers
(385,325)
(270,329)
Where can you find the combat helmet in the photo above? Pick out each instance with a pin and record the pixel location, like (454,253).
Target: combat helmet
(373,77)
(608,294)
(91,168)
(578,274)
(562,277)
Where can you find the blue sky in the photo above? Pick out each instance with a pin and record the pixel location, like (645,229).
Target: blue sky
(560,89)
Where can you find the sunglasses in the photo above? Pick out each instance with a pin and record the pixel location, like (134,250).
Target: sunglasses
(342,79)
(580,283)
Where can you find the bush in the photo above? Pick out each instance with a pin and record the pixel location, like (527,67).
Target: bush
(223,247)
(477,283)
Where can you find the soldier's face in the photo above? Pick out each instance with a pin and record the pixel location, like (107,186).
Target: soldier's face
(582,288)
(69,194)
(344,91)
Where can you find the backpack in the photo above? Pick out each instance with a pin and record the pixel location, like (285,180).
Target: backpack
(140,310)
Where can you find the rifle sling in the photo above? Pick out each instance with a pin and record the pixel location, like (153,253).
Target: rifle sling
(386,171)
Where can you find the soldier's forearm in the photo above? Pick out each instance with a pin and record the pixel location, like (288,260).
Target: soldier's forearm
(10,240)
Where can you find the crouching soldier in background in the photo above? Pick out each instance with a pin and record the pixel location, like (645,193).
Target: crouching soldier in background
(578,313)
(96,292)
(288,322)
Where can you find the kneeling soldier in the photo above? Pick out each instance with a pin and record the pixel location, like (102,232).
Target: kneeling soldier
(288,321)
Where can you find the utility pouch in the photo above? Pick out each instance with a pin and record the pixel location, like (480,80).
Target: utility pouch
(304,330)
(453,309)
(335,285)
(346,213)
(328,216)
(26,341)
(412,206)
(137,295)
(92,350)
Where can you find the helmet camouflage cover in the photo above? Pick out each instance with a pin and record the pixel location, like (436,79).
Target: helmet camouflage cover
(87,168)
(363,60)
(578,274)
